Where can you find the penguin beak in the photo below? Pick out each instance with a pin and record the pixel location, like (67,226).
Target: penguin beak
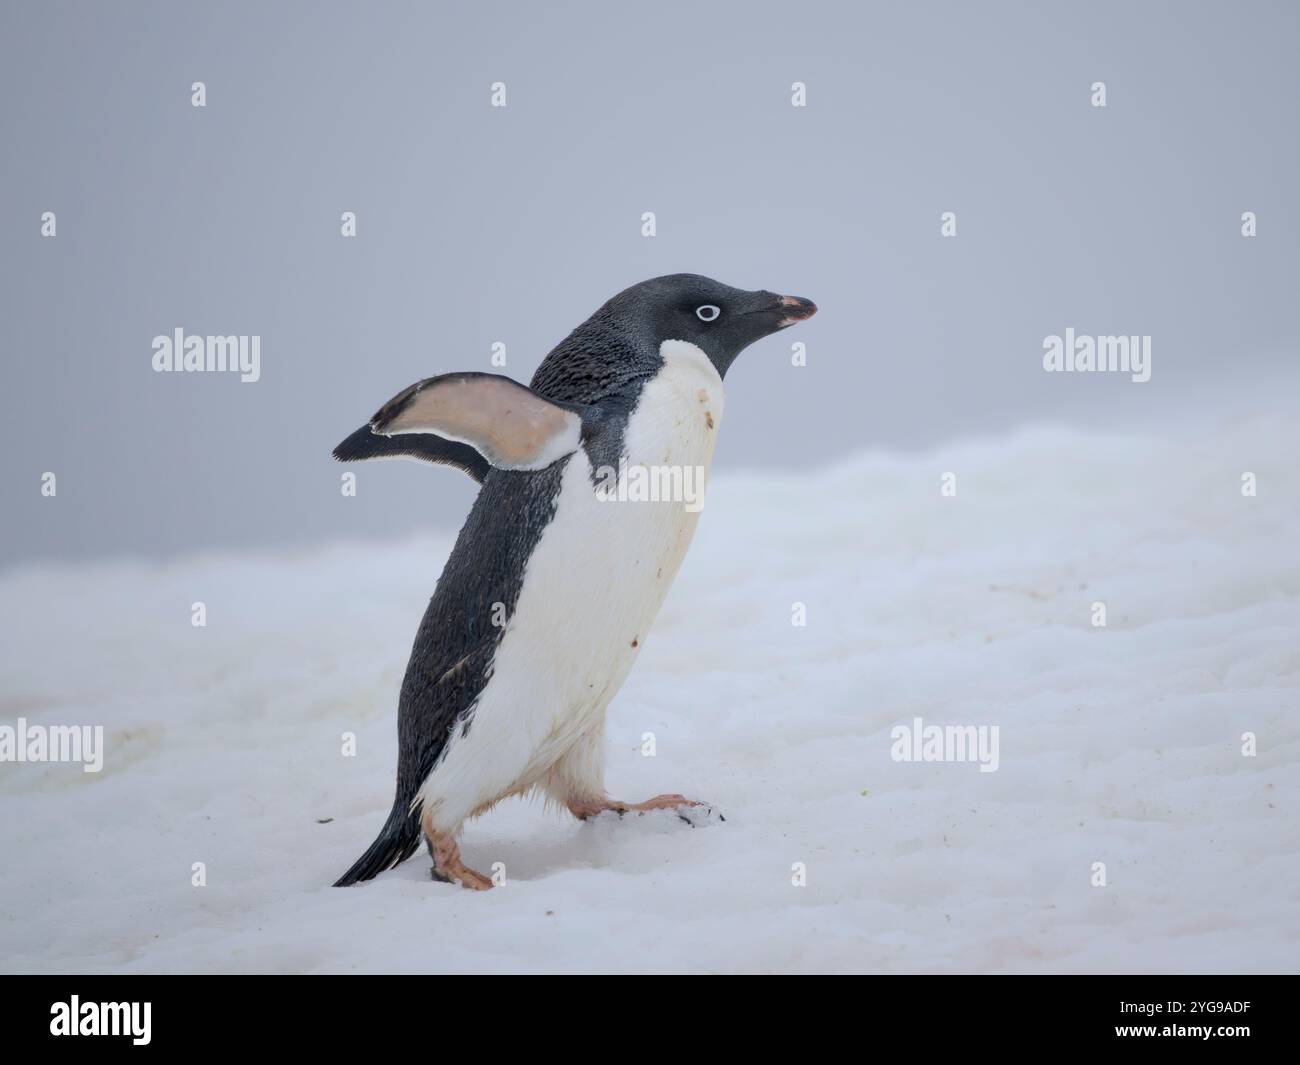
(768,313)
(759,314)
(794,309)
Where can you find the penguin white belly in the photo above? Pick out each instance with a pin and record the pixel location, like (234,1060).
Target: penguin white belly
(590,592)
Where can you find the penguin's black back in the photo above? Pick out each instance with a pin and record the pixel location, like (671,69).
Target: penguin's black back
(457,638)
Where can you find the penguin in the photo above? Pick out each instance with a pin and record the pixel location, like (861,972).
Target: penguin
(554,581)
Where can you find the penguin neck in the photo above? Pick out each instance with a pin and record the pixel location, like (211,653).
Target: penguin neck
(600,360)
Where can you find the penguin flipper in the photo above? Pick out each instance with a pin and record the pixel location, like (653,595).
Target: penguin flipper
(367,444)
(508,424)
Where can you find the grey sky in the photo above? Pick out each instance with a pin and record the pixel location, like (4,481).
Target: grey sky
(478,225)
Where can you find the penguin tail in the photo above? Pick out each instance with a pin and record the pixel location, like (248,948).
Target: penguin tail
(396,842)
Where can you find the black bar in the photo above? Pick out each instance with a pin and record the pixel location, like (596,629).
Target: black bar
(375,1015)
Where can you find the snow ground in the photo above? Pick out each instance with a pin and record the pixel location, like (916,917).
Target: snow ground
(1120,745)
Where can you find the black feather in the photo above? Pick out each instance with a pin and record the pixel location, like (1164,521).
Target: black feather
(396,842)
(364,444)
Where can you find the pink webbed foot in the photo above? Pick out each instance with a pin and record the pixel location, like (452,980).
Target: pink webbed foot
(583,809)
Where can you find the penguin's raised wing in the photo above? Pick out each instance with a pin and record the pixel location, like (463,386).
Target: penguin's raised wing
(508,424)
(365,443)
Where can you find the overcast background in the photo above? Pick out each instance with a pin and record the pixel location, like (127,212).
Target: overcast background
(478,225)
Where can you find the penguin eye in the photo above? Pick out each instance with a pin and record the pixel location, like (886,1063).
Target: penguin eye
(708,312)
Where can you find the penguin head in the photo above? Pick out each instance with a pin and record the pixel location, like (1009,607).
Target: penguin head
(720,320)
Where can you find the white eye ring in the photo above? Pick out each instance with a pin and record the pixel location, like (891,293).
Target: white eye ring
(708,312)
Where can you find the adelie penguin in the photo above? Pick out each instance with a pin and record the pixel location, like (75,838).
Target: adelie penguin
(552,586)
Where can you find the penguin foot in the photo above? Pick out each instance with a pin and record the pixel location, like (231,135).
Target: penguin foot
(448,867)
(583,809)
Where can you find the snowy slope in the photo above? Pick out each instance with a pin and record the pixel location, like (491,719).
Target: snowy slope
(1119,745)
